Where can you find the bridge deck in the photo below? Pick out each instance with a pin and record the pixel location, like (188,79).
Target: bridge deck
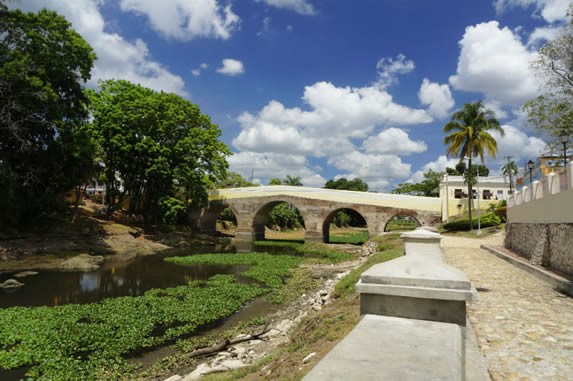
(432,204)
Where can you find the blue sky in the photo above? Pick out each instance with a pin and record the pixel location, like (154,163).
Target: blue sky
(327,88)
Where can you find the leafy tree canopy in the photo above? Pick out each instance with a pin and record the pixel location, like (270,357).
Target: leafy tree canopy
(275,181)
(461,169)
(233,180)
(552,112)
(155,146)
(343,184)
(429,187)
(292,181)
(44,149)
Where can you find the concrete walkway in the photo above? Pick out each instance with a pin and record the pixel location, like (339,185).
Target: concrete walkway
(524,328)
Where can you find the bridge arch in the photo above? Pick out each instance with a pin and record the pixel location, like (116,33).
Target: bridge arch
(330,217)
(208,220)
(260,216)
(412,215)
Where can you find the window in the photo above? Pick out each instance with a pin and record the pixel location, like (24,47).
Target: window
(487,195)
(458,193)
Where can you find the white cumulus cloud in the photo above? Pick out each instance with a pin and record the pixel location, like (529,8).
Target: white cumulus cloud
(550,10)
(117,57)
(375,169)
(389,68)
(268,165)
(493,61)
(186,19)
(437,97)
(438,165)
(231,67)
(393,141)
(336,115)
(302,7)
(518,144)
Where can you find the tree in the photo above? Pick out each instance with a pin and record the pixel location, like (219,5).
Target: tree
(156,147)
(429,187)
(43,145)
(552,112)
(460,170)
(233,180)
(292,181)
(469,136)
(510,169)
(343,184)
(275,181)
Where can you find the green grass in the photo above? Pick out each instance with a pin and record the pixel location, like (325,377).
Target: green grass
(389,250)
(317,250)
(354,238)
(394,225)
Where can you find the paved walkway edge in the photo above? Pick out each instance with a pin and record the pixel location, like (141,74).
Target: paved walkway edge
(559,282)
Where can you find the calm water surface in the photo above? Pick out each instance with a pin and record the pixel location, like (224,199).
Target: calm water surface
(114,278)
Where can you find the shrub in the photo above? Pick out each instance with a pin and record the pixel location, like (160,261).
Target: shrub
(486,220)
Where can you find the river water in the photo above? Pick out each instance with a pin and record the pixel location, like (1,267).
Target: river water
(116,277)
(120,277)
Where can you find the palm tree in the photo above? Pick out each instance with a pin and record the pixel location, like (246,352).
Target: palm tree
(292,181)
(469,137)
(508,170)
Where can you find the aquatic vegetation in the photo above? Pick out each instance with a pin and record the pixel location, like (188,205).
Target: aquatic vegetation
(317,250)
(271,270)
(93,341)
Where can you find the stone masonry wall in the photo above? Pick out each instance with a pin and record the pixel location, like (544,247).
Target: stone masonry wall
(543,244)
(561,247)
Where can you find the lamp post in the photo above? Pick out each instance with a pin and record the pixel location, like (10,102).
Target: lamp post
(530,166)
(564,137)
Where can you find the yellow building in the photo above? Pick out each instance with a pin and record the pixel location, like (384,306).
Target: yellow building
(454,197)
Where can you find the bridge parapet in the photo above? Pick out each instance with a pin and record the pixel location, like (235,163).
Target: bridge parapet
(413,324)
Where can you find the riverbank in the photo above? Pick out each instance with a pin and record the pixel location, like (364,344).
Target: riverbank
(301,332)
(48,245)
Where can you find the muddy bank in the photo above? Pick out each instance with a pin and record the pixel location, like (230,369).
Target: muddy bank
(87,239)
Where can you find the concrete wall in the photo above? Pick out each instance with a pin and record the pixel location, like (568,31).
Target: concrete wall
(540,221)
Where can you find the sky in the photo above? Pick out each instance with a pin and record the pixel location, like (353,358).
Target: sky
(323,89)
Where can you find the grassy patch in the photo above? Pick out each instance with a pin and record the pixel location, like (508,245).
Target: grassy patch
(272,270)
(394,225)
(352,237)
(317,250)
(346,285)
(92,341)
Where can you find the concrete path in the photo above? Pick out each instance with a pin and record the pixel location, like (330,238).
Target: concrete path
(524,328)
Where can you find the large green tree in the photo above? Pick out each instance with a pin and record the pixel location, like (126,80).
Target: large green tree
(343,184)
(44,147)
(233,180)
(428,187)
(469,136)
(158,149)
(292,181)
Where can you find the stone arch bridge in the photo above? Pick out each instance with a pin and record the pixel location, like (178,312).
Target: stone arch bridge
(317,207)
